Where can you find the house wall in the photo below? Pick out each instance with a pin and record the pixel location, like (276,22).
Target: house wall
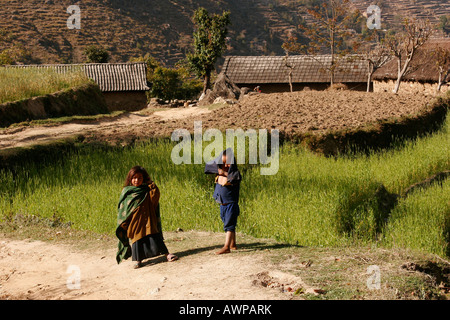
(284,87)
(126,100)
(408,87)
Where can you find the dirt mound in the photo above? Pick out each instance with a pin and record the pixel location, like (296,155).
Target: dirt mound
(302,115)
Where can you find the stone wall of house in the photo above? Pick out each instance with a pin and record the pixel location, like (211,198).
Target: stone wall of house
(408,87)
(126,100)
(284,87)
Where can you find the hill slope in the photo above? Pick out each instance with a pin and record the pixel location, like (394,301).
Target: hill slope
(162,28)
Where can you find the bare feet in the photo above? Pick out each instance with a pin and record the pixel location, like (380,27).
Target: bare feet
(223,250)
(171,257)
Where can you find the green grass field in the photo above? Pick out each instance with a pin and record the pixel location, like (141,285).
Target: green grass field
(312,200)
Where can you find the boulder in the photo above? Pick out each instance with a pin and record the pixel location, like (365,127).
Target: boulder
(224,88)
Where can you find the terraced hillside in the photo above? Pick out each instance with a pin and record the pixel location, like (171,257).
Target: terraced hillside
(162,28)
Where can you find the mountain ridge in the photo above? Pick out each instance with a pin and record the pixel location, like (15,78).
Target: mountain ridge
(163,28)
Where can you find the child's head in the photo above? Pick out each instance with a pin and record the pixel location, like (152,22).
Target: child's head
(137,176)
(227,160)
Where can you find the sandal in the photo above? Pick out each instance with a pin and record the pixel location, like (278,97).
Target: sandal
(137,265)
(171,257)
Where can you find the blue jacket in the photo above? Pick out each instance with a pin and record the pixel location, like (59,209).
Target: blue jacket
(226,194)
(229,192)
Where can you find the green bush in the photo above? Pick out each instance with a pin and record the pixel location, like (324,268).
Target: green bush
(170,84)
(96,54)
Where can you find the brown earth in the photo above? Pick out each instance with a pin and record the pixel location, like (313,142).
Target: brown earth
(292,113)
(40,270)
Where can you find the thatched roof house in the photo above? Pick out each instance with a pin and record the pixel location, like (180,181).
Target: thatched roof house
(271,73)
(122,84)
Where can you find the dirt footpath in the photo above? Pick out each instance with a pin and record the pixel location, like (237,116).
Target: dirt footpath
(114,129)
(51,271)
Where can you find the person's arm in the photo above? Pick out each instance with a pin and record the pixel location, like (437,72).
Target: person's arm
(222,172)
(154,194)
(125,224)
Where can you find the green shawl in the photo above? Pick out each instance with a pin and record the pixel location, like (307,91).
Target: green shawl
(130,198)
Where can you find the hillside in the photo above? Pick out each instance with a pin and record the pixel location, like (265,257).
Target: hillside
(162,28)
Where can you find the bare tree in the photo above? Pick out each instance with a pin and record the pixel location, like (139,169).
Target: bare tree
(374,52)
(331,28)
(290,68)
(403,45)
(441,57)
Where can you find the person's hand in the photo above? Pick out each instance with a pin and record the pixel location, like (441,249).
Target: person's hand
(222,180)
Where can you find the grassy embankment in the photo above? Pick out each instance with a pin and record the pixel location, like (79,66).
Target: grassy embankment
(18,84)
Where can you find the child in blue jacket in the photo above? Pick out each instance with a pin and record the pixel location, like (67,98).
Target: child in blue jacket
(226,193)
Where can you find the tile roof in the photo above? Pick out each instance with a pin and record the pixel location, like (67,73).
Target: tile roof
(423,64)
(109,76)
(273,69)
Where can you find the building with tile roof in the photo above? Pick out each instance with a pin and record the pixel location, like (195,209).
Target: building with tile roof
(123,84)
(424,75)
(271,73)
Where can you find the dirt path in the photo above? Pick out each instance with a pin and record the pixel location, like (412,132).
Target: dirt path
(26,136)
(41,270)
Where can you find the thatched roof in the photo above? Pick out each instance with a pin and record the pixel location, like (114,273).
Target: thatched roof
(426,71)
(306,69)
(109,76)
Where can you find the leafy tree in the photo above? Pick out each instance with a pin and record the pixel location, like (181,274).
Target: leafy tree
(169,83)
(151,64)
(165,83)
(14,52)
(95,54)
(209,43)
(444,23)
(5,58)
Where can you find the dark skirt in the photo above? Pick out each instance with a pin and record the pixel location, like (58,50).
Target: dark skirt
(148,247)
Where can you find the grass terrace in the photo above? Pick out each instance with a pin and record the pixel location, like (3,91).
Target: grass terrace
(312,201)
(23,83)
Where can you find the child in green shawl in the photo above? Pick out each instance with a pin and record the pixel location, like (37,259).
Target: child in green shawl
(138,219)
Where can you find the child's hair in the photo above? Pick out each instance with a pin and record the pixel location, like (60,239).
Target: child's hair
(133,171)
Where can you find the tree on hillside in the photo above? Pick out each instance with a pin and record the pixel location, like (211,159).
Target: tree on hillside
(404,44)
(209,43)
(96,54)
(333,19)
(13,52)
(444,24)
